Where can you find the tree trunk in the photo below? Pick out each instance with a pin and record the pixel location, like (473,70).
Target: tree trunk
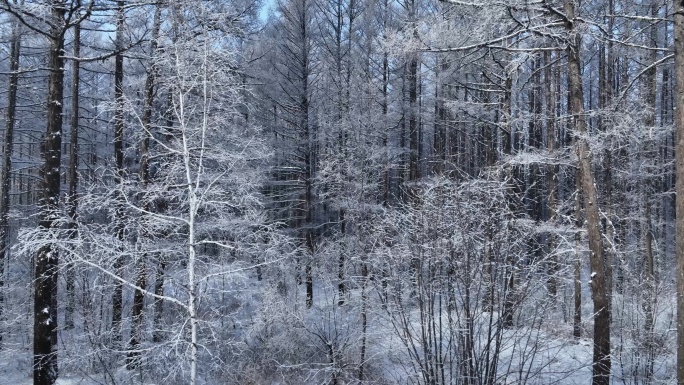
(141,273)
(650,149)
(577,306)
(117,298)
(72,198)
(551,171)
(45,369)
(599,272)
(512,194)
(606,99)
(364,315)
(308,142)
(341,262)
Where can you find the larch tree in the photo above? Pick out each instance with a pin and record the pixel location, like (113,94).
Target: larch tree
(59,16)
(296,64)
(599,272)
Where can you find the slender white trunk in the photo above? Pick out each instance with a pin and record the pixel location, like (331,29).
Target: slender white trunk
(192,300)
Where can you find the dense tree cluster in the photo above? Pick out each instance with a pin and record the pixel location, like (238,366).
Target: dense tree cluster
(342,191)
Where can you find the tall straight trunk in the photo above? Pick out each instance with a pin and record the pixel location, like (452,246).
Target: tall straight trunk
(679,183)
(346,110)
(193,206)
(343,108)
(667,211)
(651,90)
(117,297)
(72,199)
(387,172)
(413,121)
(439,140)
(308,196)
(192,286)
(307,144)
(607,93)
(505,138)
(144,175)
(308,230)
(385,128)
(340,115)
(551,171)
(599,273)
(45,369)
(10,119)
(513,194)
(341,262)
(414,167)
(533,195)
(364,315)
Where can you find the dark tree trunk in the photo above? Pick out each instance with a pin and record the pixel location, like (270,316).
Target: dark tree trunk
(512,195)
(144,175)
(117,297)
(606,99)
(414,134)
(551,170)
(577,274)
(650,149)
(364,315)
(45,369)
(386,134)
(307,145)
(72,198)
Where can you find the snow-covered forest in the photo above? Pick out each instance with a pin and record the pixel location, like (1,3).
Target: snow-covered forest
(423,192)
